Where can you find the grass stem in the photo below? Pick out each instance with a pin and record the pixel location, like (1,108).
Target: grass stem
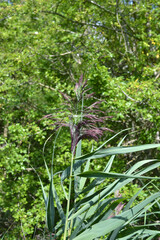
(69,199)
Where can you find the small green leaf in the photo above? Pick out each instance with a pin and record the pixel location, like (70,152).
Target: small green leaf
(50,209)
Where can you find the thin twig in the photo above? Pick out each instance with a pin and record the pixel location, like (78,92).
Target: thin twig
(99,6)
(62,54)
(125,42)
(46,86)
(127,95)
(77,22)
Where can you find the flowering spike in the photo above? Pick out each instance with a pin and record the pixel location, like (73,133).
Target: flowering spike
(89,95)
(84,85)
(76,88)
(82,125)
(80,80)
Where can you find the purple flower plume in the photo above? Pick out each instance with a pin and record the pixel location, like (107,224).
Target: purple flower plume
(86,130)
(82,123)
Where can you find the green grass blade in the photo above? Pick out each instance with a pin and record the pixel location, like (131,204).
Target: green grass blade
(88,198)
(111,188)
(98,181)
(95,213)
(106,152)
(116,185)
(64,191)
(43,191)
(149,168)
(89,201)
(100,214)
(112,138)
(50,209)
(44,194)
(79,149)
(78,154)
(114,234)
(151,237)
(109,164)
(138,231)
(80,225)
(100,229)
(78,169)
(66,172)
(131,170)
(98,174)
(83,180)
(140,164)
(59,206)
(117,150)
(49,176)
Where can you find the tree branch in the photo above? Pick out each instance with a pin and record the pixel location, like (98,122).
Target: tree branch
(77,22)
(99,25)
(99,6)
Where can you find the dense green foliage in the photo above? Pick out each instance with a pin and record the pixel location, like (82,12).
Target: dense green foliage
(45,47)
